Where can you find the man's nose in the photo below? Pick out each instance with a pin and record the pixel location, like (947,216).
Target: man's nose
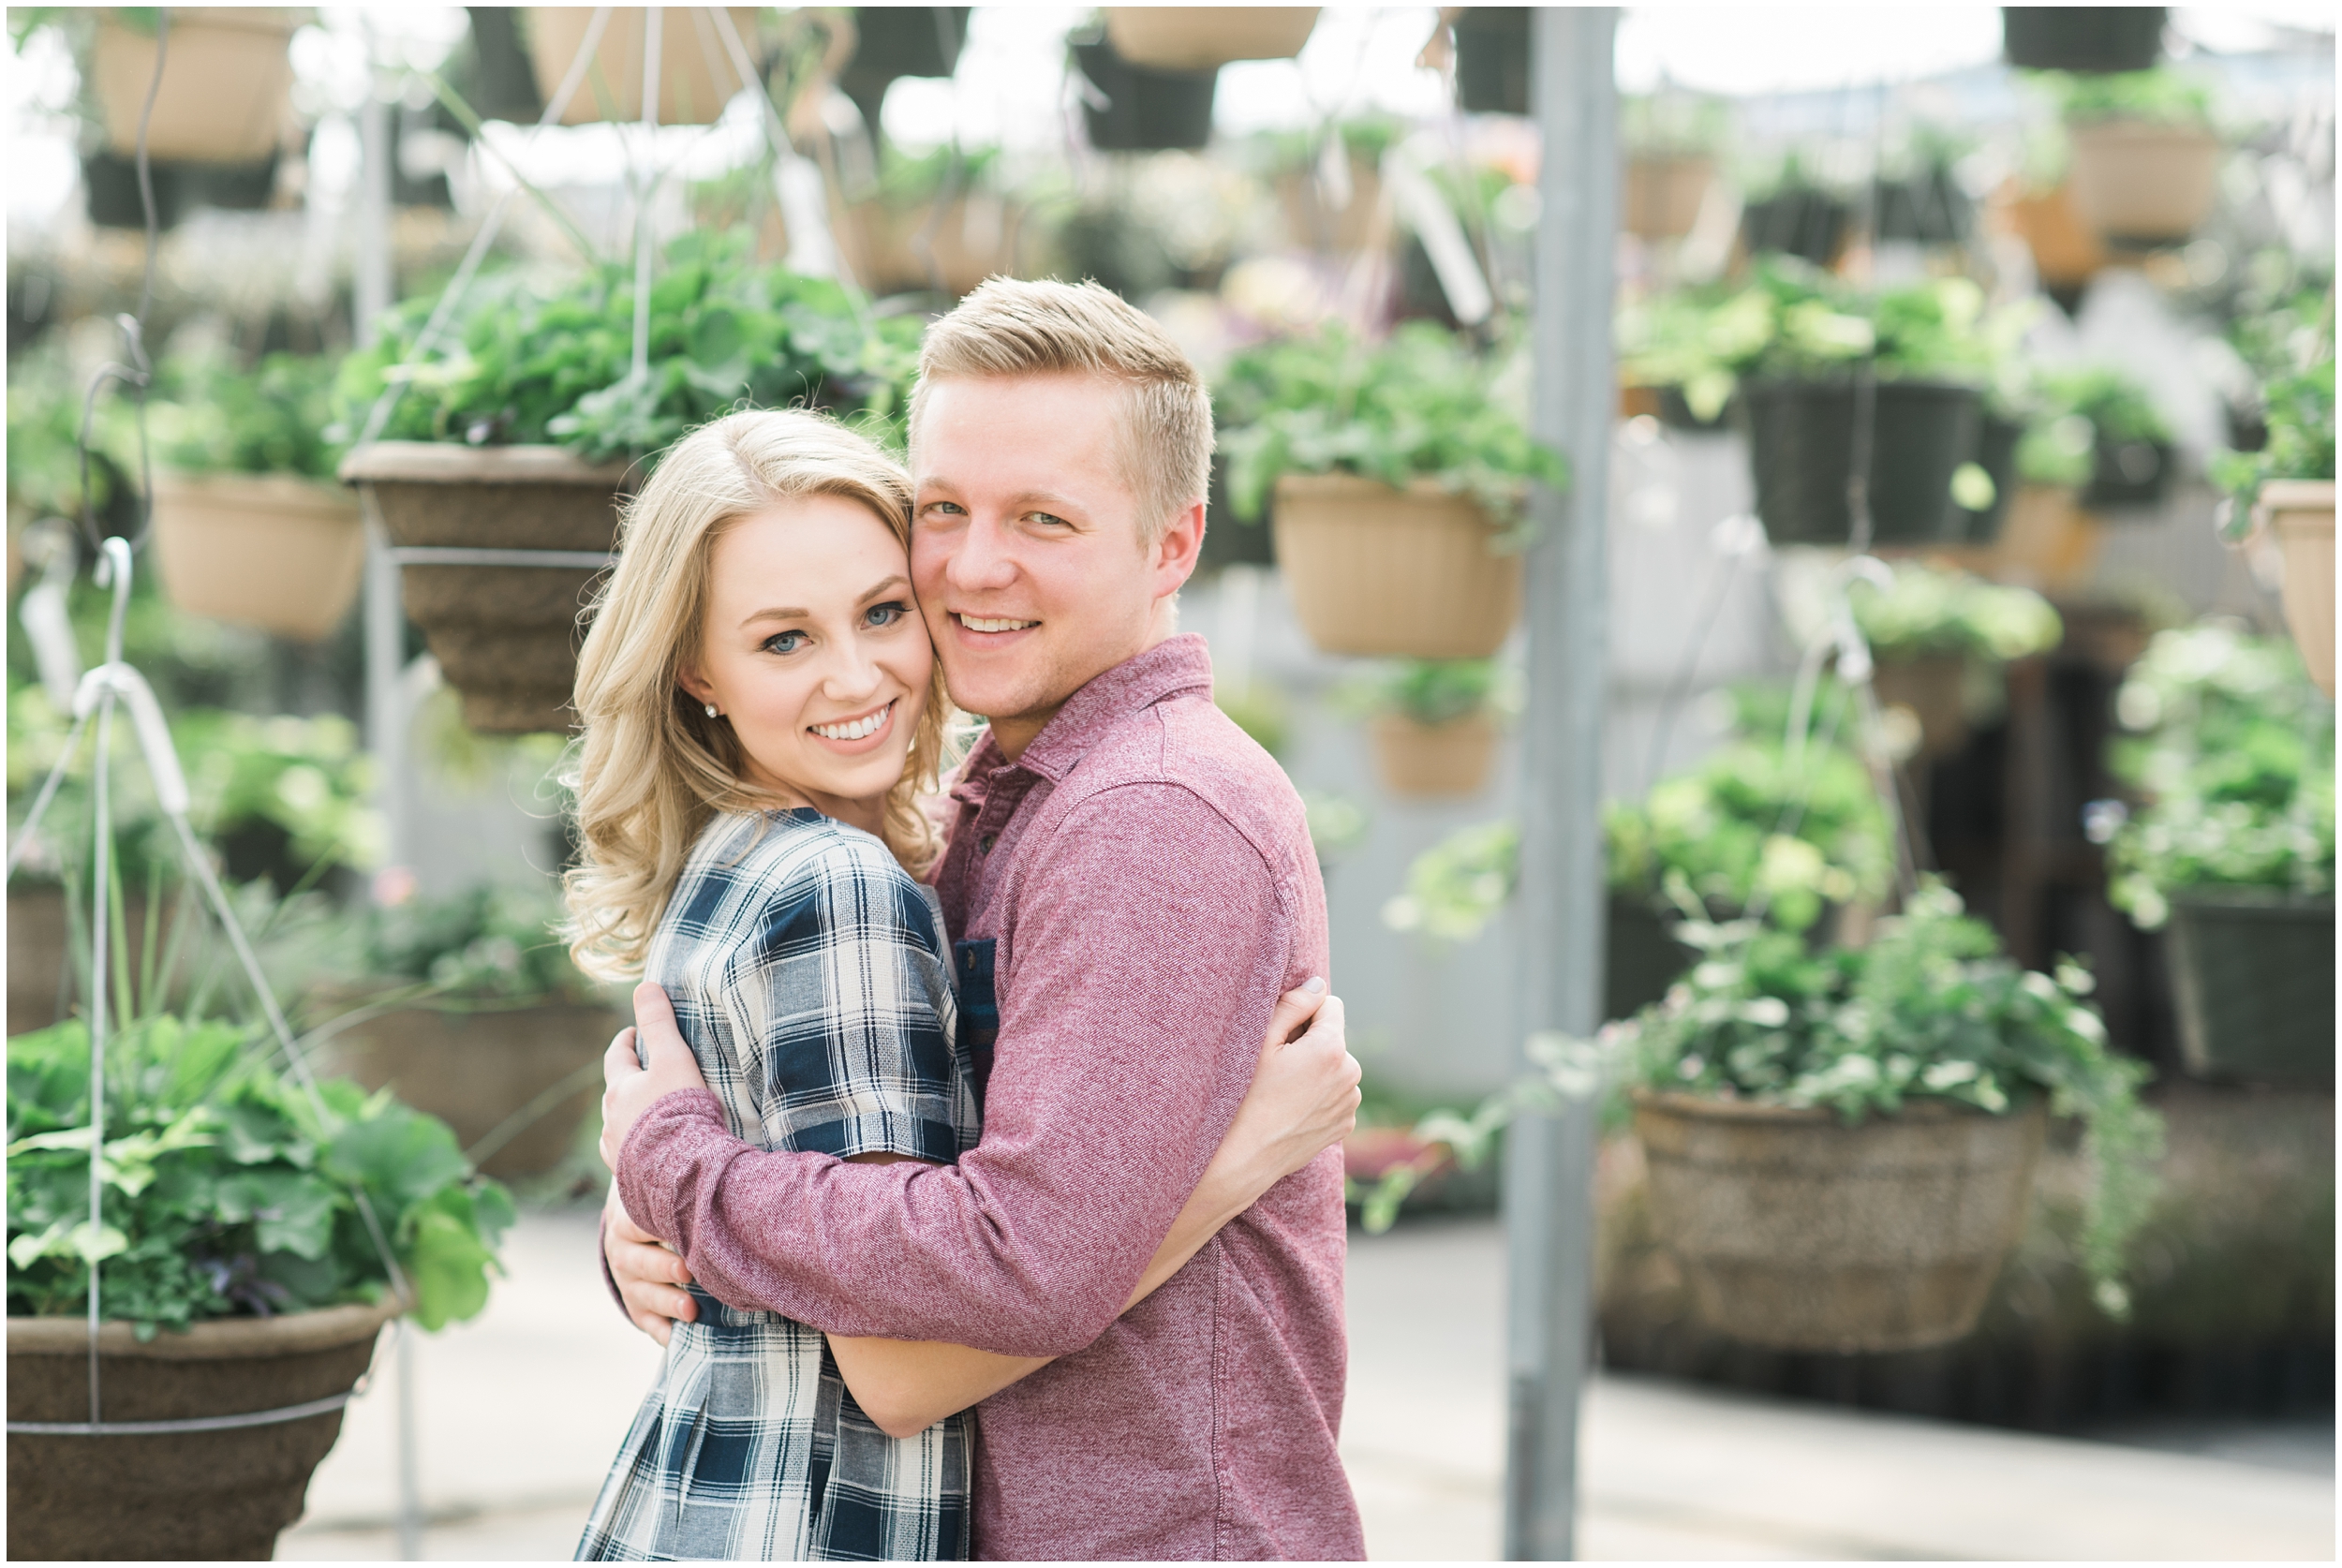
(983,561)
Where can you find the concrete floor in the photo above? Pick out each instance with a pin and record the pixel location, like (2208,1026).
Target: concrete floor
(519,1413)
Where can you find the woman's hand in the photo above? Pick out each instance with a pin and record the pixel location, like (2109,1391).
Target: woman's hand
(647,1275)
(1304,1097)
(632,1083)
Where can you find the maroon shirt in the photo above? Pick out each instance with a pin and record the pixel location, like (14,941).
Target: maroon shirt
(1146,876)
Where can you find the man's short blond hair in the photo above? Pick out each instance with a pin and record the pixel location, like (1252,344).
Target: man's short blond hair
(1009,327)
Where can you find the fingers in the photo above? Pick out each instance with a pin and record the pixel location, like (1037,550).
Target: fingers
(655,1267)
(653,1324)
(1325,1028)
(656,1031)
(619,1062)
(1295,1009)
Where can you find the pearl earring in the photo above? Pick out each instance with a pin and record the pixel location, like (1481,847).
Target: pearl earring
(711,710)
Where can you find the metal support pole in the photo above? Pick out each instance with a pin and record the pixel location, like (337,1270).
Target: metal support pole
(1548,1174)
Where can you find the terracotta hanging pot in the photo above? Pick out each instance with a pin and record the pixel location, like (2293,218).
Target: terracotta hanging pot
(2252,973)
(916,247)
(2144,185)
(505,636)
(271,551)
(1797,1232)
(1429,760)
(1204,37)
(226,85)
(1663,193)
(2300,513)
(219,1495)
(2067,252)
(696,77)
(1399,573)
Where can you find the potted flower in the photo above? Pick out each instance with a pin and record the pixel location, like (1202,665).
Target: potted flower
(2146,162)
(1434,725)
(518,437)
(1671,141)
(2130,446)
(468,1008)
(1200,38)
(1790,214)
(1841,1144)
(1400,473)
(248,524)
(696,75)
(939,223)
(2288,488)
(2082,38)
(2233,851)
(1137,109)
(240,1273)
(1940,638)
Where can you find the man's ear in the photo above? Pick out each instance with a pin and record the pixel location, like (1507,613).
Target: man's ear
(1180,548)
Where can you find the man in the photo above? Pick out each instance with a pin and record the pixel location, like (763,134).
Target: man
(1133,885)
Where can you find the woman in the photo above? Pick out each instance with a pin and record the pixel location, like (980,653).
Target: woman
(761,715)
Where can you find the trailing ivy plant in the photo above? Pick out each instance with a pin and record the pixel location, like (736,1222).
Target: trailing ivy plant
(532,362)
(1420,405)
(227,1193)
(2233,748)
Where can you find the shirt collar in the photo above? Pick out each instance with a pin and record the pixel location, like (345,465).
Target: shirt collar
(1177,664)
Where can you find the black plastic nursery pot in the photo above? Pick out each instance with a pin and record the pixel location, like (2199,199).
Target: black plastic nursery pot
(1805,223)
(1145,111)
(1493,59)
(110,186)
(1996,455)
(1675,412)
(1640,957)
(2253,976)
(892,41)
(2128,476)
(2090,38)
(1800,446)
(1927,209)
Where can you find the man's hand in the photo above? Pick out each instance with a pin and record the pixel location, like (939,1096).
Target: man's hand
(649,1276)
(1304,1096)
(632,1083)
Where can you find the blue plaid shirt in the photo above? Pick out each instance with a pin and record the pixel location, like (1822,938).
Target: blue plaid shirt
(811,974)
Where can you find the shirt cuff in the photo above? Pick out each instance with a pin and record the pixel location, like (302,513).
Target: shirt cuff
(659,1147)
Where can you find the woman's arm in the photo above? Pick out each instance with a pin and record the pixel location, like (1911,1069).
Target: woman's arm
(1304,1097)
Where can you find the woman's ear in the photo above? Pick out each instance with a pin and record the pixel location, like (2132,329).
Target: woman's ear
(694,684)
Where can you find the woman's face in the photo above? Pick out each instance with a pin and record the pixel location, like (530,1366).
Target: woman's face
(813,649)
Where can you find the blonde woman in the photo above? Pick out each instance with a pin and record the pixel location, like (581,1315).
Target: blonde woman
(761,715)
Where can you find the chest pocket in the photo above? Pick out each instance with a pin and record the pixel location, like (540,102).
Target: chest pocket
(978,1006)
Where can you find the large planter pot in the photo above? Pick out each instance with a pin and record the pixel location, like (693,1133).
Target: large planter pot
(1996,441)
(505,636)
(109,189)
(282,554)
(478,1066)
(2144,185)
(1423,761)
(226,88)
(219,1494)
(2093,38)
(2048,543)
(1811,224)
(1930,687)
(895,41)
(916,247)
(1802,449)
(1663,193)
(2128,476)
(1144,111)
(1395,574)
(2253,975)
(1206,37)
(1640,957)
(1799,1232)
(694,80)
(1492,58)
(2300,513)
(1315,225)
(43,987)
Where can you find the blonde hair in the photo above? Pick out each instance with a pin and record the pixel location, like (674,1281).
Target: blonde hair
(1010,327)
(652,768)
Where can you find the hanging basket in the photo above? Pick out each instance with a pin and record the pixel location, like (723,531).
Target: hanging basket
(215,1494)
(1930,687)
(2067,252)
(2128,476)
(2252,973)
(2090,38)
(2144,185)
(1396,573)
(1640,957)
(1805,223)
(915,248)
(696,77)
(1664,192)
(282,554)
(2300,513)
(111,195)
(479,1069)
(1206,37)
(1801,450)
(891,42)
(226,86)
(1136,109)
(1313,223)
(1425,761)
(1996,441)
(1492,58)
(505,636)
(1927,209)
(2048,542)
(1797,1232)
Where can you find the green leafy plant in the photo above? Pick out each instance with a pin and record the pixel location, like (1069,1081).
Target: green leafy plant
(2083,408)
(1433,692)
(2298,412)
(536,362)
(1421,404)
(2234,750)
(2163,98)
(227,1192)
(1673,123)
(1931,1009)
(1930,610)
(490,942)
(207,416)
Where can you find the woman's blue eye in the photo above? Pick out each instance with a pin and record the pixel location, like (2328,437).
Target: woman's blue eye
(887,614)
(784,642)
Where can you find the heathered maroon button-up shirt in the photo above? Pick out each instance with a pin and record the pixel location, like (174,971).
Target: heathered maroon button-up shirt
(1145,875)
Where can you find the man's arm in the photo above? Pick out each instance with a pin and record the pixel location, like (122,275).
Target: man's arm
(1150,946)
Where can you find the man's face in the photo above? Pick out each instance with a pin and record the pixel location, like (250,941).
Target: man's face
(1025,545)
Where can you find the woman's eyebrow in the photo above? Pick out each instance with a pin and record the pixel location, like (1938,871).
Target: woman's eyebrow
(897,581)
(784,614)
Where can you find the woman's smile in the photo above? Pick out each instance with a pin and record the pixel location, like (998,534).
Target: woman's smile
(863,732)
